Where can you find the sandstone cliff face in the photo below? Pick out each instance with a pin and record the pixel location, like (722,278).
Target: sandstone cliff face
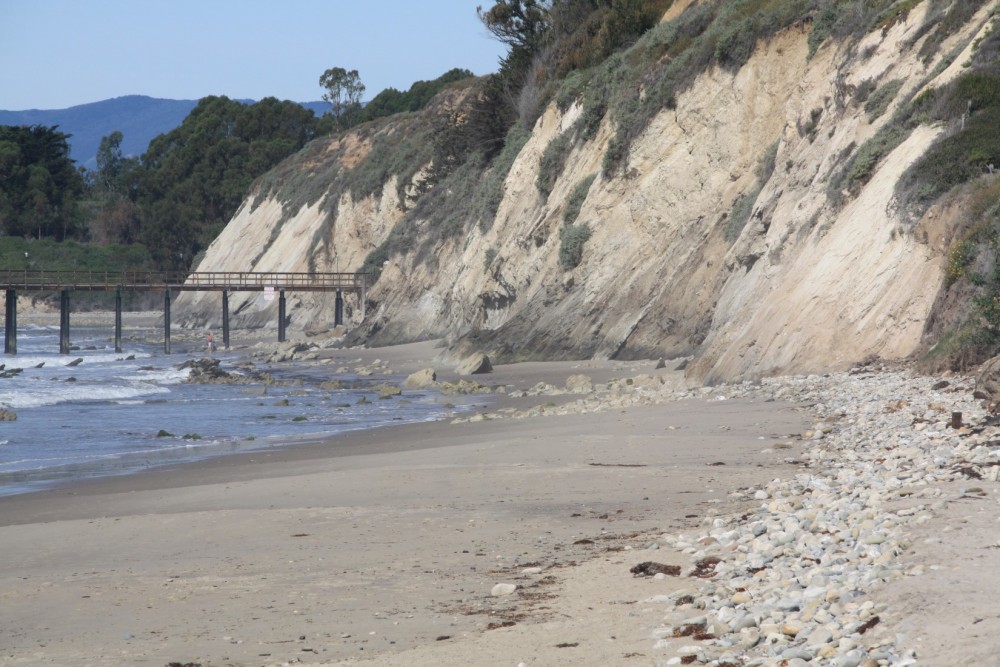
(805,286)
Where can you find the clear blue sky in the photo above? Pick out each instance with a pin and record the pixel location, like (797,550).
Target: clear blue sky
(60,53)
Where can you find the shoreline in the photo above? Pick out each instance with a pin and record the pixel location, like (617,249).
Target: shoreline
(493,499)
(384,546)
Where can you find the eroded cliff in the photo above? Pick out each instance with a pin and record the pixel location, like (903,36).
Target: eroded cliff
(819,277)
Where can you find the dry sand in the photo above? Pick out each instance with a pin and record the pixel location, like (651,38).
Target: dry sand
(384,545)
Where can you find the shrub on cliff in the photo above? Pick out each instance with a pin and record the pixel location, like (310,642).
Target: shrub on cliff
(571,241)
(576,198)
(969,108)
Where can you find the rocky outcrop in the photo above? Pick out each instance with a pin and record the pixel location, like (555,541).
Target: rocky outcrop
(807,284)
(420,379)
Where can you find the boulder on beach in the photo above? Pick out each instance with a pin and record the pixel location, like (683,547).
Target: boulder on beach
(7,415)
(474,364)
(388,391)
(579,384)
(209,371)
(988,383)
(421,379)
(503,589)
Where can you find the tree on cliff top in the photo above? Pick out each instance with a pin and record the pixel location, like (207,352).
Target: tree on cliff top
(521,24)
(194,178)
(343,91)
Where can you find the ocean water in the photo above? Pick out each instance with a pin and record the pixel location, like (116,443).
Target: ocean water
(119,413)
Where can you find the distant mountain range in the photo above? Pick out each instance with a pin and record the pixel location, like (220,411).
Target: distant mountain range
(138,117)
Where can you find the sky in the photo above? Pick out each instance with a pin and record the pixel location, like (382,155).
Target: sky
(59,53)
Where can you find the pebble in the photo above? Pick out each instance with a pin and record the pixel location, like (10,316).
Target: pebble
(501,590)
(796,570)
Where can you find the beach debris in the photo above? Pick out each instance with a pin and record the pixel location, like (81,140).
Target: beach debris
(11,372)
(421,379)
(75,362)
(660,363)
(7,415)
(618,465)
(474,364)
(704,568)
(649,569)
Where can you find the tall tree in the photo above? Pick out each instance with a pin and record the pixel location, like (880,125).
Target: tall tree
(520,24)
(40,186)
(109,160)
(343,91)
(194,178)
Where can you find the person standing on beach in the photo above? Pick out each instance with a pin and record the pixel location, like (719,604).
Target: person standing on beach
(211,343)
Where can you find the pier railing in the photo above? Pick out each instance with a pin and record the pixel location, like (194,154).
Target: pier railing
(145,281)
(64,282)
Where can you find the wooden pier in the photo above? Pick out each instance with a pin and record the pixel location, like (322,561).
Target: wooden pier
(65,282)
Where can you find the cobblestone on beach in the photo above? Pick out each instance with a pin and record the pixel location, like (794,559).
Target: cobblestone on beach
(795,580)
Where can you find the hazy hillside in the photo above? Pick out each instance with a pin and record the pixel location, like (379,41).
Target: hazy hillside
(138,117)
(762,187)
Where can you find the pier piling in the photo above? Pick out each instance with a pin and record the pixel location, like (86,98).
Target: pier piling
(118,320)
(64,321)
(10,323)
(225,319)
(166,321)
(281,316)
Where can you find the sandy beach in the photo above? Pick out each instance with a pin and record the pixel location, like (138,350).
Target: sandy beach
(381,542)
(385,547)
